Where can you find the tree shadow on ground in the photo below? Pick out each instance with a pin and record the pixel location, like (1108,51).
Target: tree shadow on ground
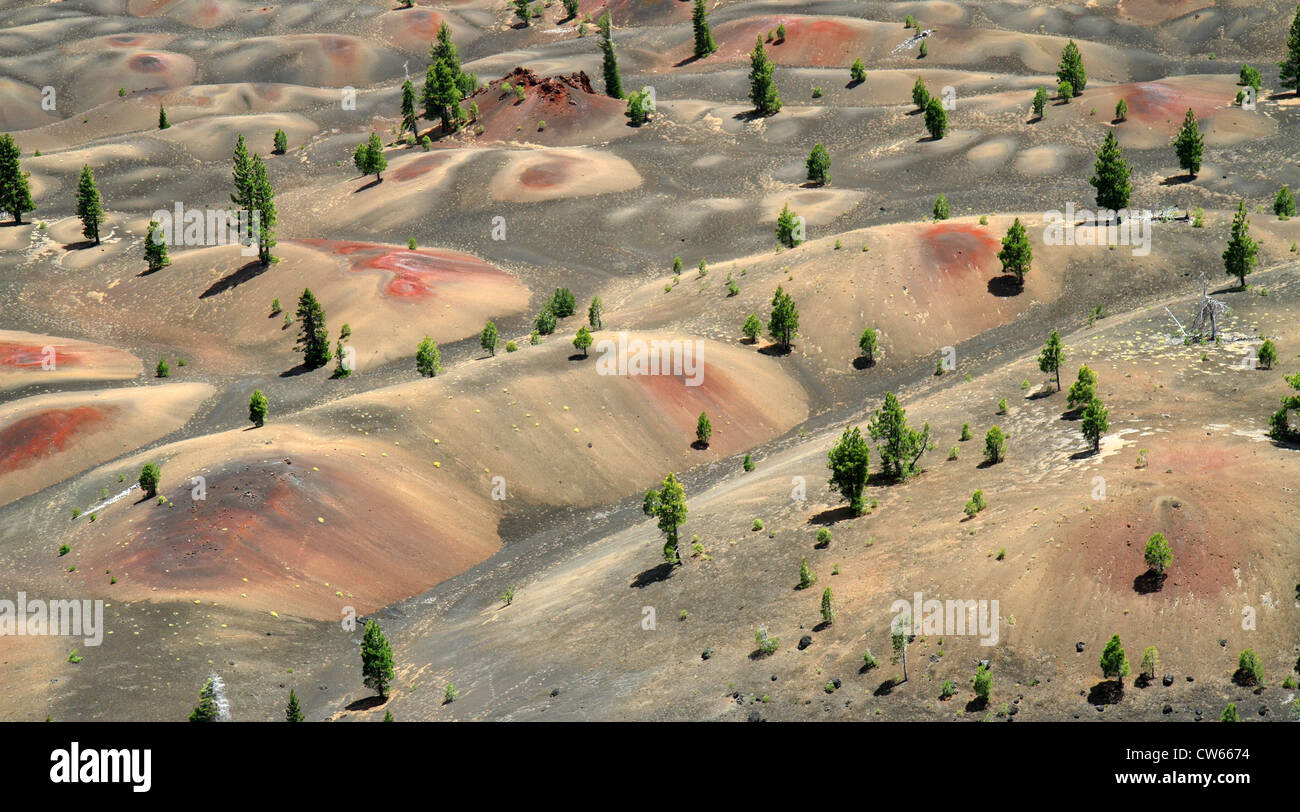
(1149,581)
(1085,454)
(366,703)
(653,575)
(1006,285)
(1106,692)
(861,362)
(886,688)
(79,246)
(247,273)
(1177,180)
(832,515)
(823,626)
(1042,393)
(369,185)
(577,356)
(976,705)
(778,350)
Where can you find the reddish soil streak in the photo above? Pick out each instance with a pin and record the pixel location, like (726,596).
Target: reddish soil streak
(25,356)
(957,248)
(45,434)
(416,274)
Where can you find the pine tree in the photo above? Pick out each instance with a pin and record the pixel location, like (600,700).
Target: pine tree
(920,95)
(1284,203)
(443,49)
(522,11)
(868,343)
(899,446)
(582,340)
(162,118)
(375,160)
(1016,254)
(1114,665)
(1289,73)
(668,505)
(313,338)
(857,72)
(263,202)
(341,368)
(1094,423)
(89,207)
(1230,713)
(828,609)
(1157,554)
(703,429)
(1071,69)
(751,328)
(408,108)
(1083,390)
(206,710)
(488,338)
(257,407)
(280,142)
(762,88)
(819,164)
(848,461)
(1121,110)
(788,230)
(595,313)
(784,324)
(428,358)
(15,194)
(1188,144)
(936,119)
(613,83)
(242,173)
(941,208)
(442,95)
(376,660)
(1052,357)
(155,247)
(150,476)
(704,44)
(1040,102)
(292,713)
(1239,257)
(1111,175)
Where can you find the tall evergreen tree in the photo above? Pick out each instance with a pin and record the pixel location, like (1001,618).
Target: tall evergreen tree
(898,445)
(263,201)
(762,88)
(1040,102)
(409,120)
(613,82)
(668,505)
(292,713)
(1239,257)
(784,324)
(1111,175)
(920,94)
(1016,254)
(936,119)
(15,194)
(163,123)
(489,337)
(1188,144)
(1113,662)
(155,248)
(1289,73)
(848,461)
(595,313)
(89,207)
(442,95)
(313,338)
(704,44)
(1071,68)
(242,173)
(206,710)
(1083,390)
(376,660)
(1052,357)
(443,49)
(1095,423)
(788,232)
(819,164)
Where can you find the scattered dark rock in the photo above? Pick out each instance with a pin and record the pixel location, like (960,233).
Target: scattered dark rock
(1263,710)
(555,692)
(836,682)
(755,716)
(1167,709)
(985,663)
(1078,647)
(774,678)
(1189,679)
(1223,644)
(707,653)
(1100,708)
(805,642)
(1168,680)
